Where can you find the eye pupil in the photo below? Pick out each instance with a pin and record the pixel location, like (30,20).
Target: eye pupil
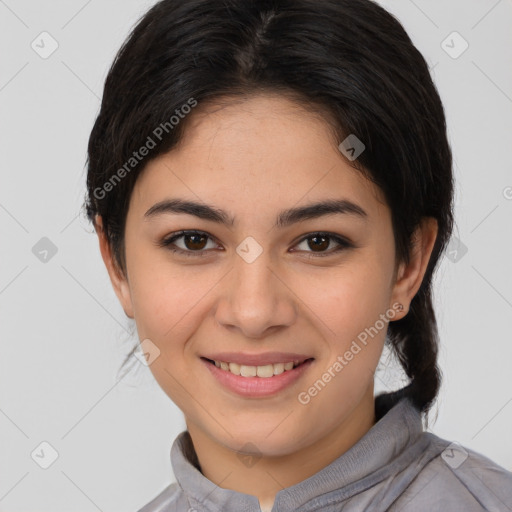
(322,245)
(195,236)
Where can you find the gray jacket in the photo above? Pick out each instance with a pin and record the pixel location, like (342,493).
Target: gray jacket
(396,466)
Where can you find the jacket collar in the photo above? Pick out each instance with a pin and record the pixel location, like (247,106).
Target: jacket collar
(392,443)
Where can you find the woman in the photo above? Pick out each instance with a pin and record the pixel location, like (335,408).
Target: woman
(271,184)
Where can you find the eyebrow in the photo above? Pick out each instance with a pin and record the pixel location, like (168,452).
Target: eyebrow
(284,219)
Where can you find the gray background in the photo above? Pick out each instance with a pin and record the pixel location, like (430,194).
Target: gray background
(63,333)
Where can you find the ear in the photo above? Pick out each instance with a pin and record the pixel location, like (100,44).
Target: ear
(409,277)
(117,276)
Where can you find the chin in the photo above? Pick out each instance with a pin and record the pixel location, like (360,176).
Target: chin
(264,442)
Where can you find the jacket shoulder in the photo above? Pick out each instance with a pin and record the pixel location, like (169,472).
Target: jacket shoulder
(459,479)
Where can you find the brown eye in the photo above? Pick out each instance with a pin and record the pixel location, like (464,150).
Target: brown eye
(194,243)
(317,243)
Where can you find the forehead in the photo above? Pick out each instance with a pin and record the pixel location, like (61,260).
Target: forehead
(255,154)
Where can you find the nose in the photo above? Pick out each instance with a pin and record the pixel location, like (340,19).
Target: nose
(255,299)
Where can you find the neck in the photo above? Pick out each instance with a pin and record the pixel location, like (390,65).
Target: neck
(271,474)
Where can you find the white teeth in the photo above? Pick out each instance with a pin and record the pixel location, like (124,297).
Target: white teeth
(278,368)
(248,371)
(234,368)
(265,371)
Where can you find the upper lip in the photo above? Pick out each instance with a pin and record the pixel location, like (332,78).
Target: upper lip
(257,359)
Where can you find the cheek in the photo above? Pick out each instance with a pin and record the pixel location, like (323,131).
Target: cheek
(169,299)
(347,299)
(163,300)
(166,302)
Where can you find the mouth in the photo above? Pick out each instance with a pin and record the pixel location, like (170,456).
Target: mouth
(263,371)
(257,381)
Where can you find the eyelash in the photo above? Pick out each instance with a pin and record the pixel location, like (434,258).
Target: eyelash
(168,242)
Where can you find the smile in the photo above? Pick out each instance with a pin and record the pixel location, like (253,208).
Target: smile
(265,371)
(251,381)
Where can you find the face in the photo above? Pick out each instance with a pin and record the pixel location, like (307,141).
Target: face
(252,285)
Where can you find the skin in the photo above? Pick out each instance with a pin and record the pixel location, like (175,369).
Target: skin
(253,159)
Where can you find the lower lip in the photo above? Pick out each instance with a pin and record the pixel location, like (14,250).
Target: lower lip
(256,387)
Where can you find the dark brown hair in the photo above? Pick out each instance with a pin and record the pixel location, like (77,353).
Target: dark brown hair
(349,58)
